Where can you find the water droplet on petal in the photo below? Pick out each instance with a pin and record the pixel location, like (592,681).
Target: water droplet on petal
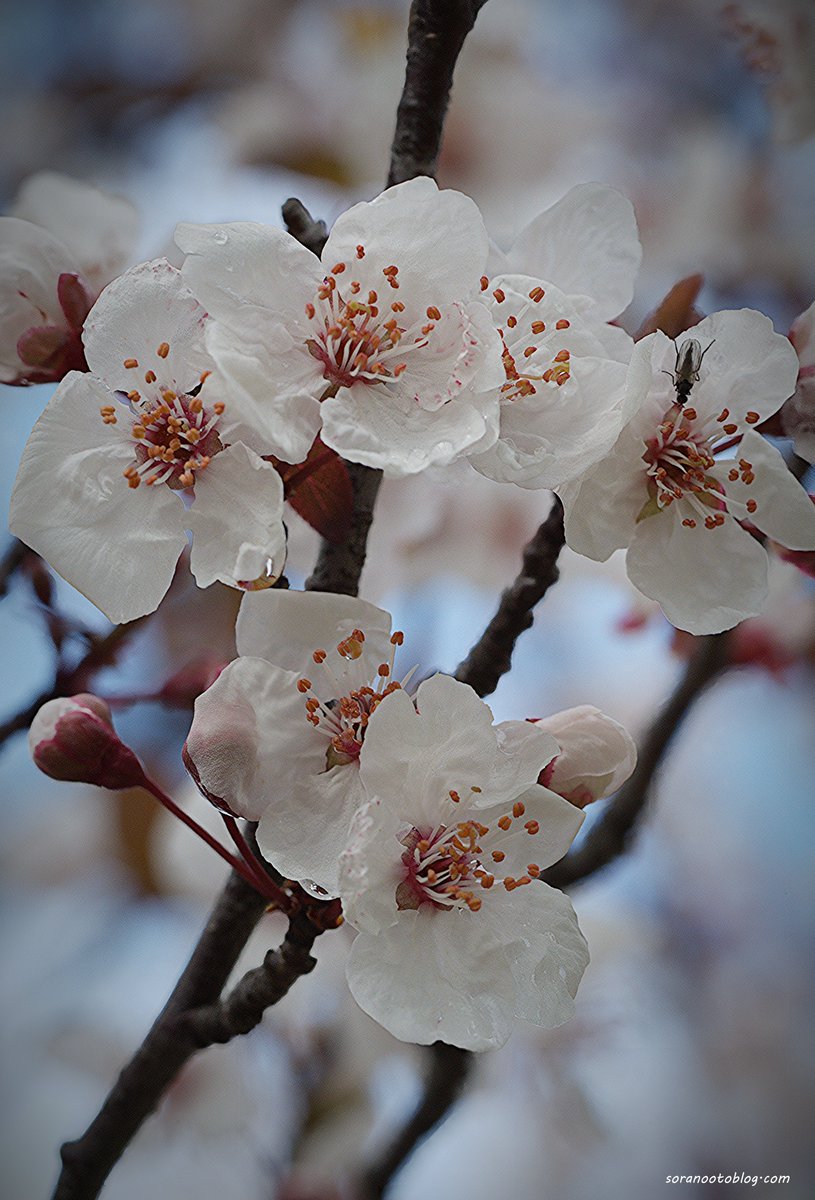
(221,237)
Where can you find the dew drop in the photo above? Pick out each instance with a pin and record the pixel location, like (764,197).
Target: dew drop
(220,237)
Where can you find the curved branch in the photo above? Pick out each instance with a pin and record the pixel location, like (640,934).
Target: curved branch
(491,656)
(609,837)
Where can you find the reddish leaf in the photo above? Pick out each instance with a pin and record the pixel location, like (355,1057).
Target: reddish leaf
(73,300)
(319,490)
(677,312)
(42,346)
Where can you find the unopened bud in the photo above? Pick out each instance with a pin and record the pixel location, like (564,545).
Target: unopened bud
(596,755)
(72,738)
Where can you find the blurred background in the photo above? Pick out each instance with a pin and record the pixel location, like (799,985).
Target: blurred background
(692,1050)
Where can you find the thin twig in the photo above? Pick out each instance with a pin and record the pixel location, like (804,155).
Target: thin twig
(609,837)
(309,232)
(491,656)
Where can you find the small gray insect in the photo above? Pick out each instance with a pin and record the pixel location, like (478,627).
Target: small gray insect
(686,368)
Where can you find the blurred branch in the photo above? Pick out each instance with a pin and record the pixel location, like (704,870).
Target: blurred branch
(491,656)
(339,565)
(10,563)
(70,680)
(436,32)
(446,1076)
(609,837)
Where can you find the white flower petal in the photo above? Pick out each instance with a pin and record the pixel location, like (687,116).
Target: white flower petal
(387,430)
(587,244)
(602,507)
(271,401)
(784,510)
(524,749)
(31,261)
(116,544)
(706,580)
(747,368)
(98,229)
(286,626)
(436,238)
(303,833)
(545,948)
(436,976)
(237,519)
(139,314)
(446,742)
(370,867)
(558,825)
(243,269)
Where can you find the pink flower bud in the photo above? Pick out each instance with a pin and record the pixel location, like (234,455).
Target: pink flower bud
(596,755)
(72,738)
(183,689)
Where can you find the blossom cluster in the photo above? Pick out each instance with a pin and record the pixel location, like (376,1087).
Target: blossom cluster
(186,399)
(411,343)
(431,823)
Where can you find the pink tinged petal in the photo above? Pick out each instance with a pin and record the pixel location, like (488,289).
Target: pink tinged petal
(802,336)
(435,977)
(272,404)
(147,316)
(706,580)
(245,270)
(587,244)
(286,627)
(749,368)
(236,519)
(249,741)
(389,431)
(31,262)
(436,238)
(524,749)
(547,952)
(448,745)
(303,833)
(99,229)
(115,544)
(784,510)
(595,757)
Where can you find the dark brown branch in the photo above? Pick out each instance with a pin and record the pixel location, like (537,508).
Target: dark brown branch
(11,562)
(309,232)
(136,1093)
(436,32)
(491,656)
(446,1076)
(610,836)
(339,565)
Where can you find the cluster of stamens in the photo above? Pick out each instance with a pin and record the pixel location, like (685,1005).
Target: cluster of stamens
(517,335)
(175,436)
(679,460)
(362,338)
(345,716)
(446,868)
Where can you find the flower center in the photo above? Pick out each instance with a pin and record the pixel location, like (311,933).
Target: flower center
(529,357)
(174,435)
(447,867)
(345,708)
(678,464)
(363,339)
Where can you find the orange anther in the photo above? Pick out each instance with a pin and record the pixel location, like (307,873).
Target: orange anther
(751,506)
(504,822)
(723,415)
(360,251)
(149,377)
(485,283)
(538,327)
(218,407)
(518,809)
(562,356)
(163,350)
(500,295)
(338,268)
(562,323)
(498,856)
(532,827)
(303,685)
(454,796)
(131,362)
(529,351)
(730,428)
(537,294)
(752,418)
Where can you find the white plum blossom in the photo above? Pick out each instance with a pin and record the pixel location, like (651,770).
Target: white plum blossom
(382,346)
(63,242)
(101,485)
(563,397)
(458,937)
(279,736)
(666,492)
(596,755)
(551,296)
